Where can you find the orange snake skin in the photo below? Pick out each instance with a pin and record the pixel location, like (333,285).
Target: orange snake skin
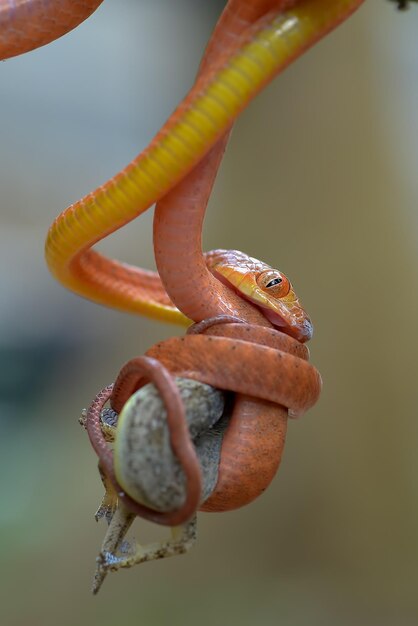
(237,343)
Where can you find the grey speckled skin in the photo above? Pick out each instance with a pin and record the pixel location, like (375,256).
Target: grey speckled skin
(145,459)
(152,471)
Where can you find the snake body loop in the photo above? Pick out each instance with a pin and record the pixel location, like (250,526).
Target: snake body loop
(136,373)
(269,367)
(253,41)
(258,39)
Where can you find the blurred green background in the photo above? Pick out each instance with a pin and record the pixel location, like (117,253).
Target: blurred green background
(319,180)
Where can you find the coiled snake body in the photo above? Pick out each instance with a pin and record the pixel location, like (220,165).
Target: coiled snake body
(253,343)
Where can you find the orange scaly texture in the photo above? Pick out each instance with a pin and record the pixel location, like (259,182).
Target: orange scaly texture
(253,41)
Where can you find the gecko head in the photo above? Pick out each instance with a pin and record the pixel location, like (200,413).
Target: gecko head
(269,289)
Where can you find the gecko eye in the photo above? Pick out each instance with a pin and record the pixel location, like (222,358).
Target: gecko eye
(274,283)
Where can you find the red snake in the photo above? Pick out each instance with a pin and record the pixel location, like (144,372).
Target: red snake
(265,367)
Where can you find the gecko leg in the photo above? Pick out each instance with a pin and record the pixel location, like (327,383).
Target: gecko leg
(109,501)
(182,539)
(119,525)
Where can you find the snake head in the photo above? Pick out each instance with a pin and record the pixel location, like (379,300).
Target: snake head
(269,289)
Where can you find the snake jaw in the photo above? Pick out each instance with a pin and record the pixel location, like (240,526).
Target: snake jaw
(291,318)
(284,313)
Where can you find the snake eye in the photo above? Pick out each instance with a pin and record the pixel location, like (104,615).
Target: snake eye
(274,283)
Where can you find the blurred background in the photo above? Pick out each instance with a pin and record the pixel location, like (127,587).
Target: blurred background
(319,180)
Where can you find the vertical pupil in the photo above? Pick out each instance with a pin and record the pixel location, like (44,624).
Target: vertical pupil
(275,281)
